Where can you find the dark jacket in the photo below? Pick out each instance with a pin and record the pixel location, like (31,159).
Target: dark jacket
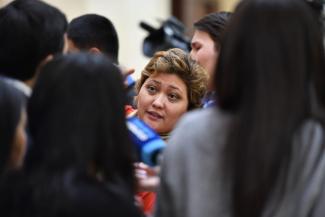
(63,195)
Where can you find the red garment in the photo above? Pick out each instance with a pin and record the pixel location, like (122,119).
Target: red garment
(129,110)
(148,200)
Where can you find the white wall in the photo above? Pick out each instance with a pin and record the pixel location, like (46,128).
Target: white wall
(227,5)
(4,2)
(71,8)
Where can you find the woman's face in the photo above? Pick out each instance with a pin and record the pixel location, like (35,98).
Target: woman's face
(161,101)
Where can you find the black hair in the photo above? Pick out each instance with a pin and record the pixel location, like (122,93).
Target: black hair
(318,7)
(77,119)
(272,57)
(92,30)
(214,24)
(12,103)
(30,30)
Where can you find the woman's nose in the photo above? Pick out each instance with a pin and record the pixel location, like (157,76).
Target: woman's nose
(159,101)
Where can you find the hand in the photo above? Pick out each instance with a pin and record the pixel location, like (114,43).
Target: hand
(125,73)
(147,177)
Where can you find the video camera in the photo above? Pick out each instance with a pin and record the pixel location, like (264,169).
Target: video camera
(171,34)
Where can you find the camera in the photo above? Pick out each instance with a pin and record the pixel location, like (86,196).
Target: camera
(171,34)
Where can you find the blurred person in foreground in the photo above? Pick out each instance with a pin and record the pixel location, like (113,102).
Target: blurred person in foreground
(31,32)
(260,152)
(82,158)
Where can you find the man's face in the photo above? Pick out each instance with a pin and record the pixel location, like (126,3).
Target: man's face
(204,52)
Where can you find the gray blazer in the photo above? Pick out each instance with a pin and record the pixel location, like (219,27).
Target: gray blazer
(192,183)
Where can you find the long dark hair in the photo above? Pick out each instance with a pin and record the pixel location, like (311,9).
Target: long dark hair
(12,102)
(77,119)
(272,58)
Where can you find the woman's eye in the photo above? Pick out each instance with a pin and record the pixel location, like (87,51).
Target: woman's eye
(151,89)
(173,97)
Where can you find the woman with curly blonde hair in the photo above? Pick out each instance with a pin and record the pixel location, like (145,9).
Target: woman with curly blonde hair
(170,85)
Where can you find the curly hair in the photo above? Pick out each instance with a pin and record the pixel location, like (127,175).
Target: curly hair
(176,61)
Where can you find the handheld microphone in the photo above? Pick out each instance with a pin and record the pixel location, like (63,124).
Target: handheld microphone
(148,143)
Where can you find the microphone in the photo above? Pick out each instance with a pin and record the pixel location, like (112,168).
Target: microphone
(148,143)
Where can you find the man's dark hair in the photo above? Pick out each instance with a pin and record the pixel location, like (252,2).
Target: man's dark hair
(92,30)
(30,30)
(214,24)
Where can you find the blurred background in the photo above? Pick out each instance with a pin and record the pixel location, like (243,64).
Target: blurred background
(127,14)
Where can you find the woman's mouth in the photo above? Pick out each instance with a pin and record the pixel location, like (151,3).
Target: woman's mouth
(154,115)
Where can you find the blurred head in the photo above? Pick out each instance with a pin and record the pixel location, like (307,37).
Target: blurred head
(12,127)
(206,41)
(30,31)
(77,118)
(92,31)
(171,84)
(270,69)
(260,55)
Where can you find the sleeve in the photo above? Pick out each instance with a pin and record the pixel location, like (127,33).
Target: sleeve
(148,200)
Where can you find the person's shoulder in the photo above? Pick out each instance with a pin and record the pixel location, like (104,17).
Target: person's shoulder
(310,134)
(199,114)
(100,199)
(199,129)
(73,194)
(203,119)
